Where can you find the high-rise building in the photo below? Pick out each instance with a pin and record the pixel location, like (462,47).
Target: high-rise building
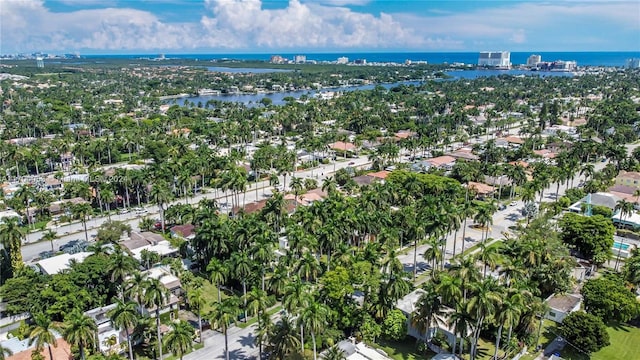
(300,59)
(342,60)
(533,60)
(497,59)
(40,62)
(633,63)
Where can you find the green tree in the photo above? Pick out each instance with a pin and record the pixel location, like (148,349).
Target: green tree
(314,318)
(394,326)
(609,299)
(83,211)
(585,332)
(50,236)
(592,236)
(223,314)
(258,301)
(79,330)
(43,333)
(125,316)
(334,353)
(11,237)
(370,330)
(156,295)
(180,339)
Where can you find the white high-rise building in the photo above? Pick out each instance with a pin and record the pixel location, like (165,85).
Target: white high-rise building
(40,62)
(342,60)
(533,60)
(497,59)
(300,59)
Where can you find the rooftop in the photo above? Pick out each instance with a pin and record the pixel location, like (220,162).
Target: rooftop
(563,303)
(56,264)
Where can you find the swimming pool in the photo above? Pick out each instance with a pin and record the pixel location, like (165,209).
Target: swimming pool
(620,246)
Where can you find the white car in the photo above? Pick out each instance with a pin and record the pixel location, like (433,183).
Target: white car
(141,210)
(513,203)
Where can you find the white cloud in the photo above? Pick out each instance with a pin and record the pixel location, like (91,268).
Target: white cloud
(243,25)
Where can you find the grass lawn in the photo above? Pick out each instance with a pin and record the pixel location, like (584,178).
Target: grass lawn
(625,344)
(210,294)
(485,350)
(403,350)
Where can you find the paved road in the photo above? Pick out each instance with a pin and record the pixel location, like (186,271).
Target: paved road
(68,232)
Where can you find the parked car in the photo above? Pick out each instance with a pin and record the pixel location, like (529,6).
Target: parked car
(123,211)
(140,210)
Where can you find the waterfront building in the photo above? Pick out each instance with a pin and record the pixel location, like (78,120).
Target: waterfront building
(277,59)
(533,60)
(342,60)
(300,59)
(497,59)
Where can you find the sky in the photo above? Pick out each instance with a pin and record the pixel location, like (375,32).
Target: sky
(290,26)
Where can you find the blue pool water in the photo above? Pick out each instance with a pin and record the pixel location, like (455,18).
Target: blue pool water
(620,246)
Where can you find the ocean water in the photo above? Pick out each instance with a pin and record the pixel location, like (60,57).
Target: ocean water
(596,58)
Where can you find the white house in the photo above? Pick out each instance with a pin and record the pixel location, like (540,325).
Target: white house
(562,305)
(106,331)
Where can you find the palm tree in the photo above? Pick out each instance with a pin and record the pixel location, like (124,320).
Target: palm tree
(83,211)
(135,286)
(314,319)
(483,304)
(79,330)
(217,274)
(223,314)
(258,301)
(121,266)
(428,311)
(626,209)
(49,236)
(156,294)
(11,237)
(161,195)
(125,316)
(195,299)
(44,333)
(284,342)
(434,253)
(334,353)
(180,339)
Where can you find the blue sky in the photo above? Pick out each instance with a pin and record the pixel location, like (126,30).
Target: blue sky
(242,26)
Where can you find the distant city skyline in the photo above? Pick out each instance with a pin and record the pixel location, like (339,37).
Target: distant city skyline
(313,26)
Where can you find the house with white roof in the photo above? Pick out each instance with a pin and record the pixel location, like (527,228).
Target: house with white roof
(106,331)
(57,264)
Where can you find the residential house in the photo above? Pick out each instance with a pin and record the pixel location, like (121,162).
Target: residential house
(59,207)
(57,264)
(464,154)
(23,349)
(137,242)
(407,305)
(7,214)
(186,231)
(169,281)
(628,178)
(342,148)
(444,162)
(52,184)
(106,332)
(256,206)
(481,190)
(562,305)
(601,199)
(360,351)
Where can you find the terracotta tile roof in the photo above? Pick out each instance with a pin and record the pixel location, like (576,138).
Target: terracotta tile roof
(441,160)
(342,146)
(634,175)
(480,188)
(380,174)
(60,352)
(524,164)
(183,230)
(514,140)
